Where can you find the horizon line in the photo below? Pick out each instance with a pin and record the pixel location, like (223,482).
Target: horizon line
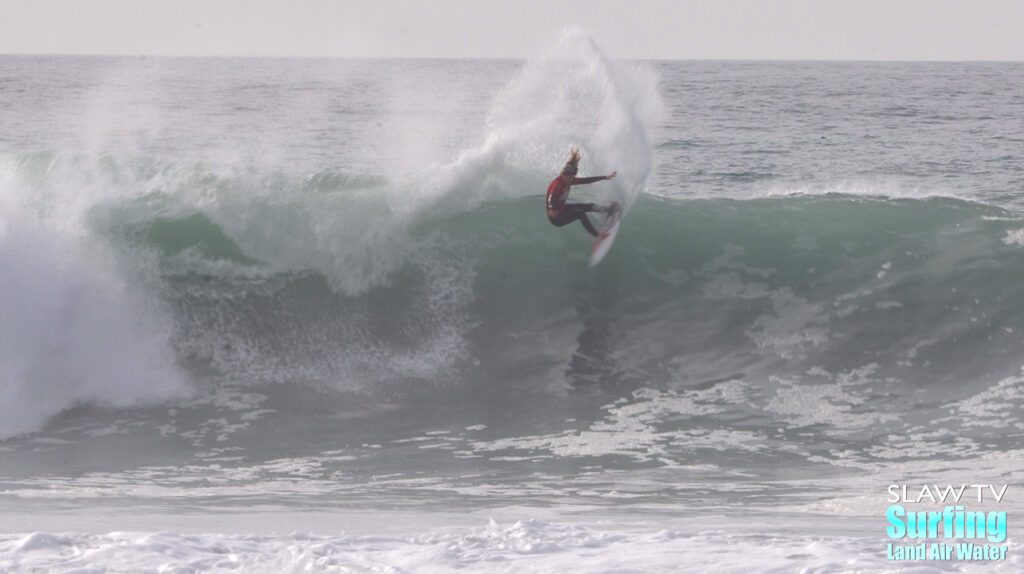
(489,58)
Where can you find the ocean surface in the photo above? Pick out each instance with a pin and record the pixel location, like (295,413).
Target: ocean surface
(265,315)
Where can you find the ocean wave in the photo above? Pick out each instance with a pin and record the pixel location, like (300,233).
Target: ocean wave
(269,277)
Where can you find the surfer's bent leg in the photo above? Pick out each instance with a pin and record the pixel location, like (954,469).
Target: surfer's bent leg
(573,211)
(588,225)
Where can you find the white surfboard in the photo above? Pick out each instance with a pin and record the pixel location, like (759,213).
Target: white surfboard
(603,242)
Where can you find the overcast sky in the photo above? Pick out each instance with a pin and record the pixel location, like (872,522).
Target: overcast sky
(656,29)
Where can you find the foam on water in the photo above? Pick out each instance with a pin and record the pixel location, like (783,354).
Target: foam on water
(532,546)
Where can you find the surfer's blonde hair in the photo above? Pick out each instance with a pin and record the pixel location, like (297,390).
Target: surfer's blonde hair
(572,166)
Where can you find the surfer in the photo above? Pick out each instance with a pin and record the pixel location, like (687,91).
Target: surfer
(561,213)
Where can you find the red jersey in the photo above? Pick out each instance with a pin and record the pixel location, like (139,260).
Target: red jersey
(558,192)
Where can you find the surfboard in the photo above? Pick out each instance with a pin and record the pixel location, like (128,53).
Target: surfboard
(603,242)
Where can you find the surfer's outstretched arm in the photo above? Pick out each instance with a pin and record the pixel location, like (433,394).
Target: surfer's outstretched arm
(585,180)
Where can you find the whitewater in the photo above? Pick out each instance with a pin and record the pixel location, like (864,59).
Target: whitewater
(287,315)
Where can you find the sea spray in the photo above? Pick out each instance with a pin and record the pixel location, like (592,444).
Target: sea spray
(575,95)
(74,328)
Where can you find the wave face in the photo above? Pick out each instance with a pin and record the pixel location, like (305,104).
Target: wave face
(923,289)
(326,284)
